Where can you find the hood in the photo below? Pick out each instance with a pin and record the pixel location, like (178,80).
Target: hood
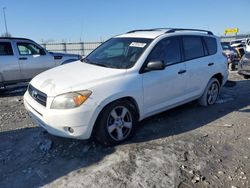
(61,55)
(73,77)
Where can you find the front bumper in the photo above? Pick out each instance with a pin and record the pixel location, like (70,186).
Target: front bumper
(58,122)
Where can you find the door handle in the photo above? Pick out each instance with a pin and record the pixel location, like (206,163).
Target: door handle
(23,58)
(210,64)
(182,71)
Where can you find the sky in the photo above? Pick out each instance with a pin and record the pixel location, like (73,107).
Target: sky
(95,20)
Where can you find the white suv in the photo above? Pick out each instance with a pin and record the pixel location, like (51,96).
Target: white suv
(128,78)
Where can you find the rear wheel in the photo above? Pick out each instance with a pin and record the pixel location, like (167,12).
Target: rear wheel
(211,93)
(116,123)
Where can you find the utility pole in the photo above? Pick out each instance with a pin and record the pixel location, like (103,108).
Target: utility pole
(4,16)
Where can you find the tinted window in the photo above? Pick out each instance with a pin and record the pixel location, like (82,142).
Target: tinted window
(5,48)
(167,50)
(193,47)
(28,49)
(212,45)
(225,45)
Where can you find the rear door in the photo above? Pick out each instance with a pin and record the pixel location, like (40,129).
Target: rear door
(198,63)
(33,59)
(9,66)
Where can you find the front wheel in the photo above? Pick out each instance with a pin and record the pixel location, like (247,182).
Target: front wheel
(116,123)
(211,93)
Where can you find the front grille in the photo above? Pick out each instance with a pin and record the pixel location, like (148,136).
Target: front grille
(37,95)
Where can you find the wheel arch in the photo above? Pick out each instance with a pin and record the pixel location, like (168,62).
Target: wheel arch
(130,99)
(219,77)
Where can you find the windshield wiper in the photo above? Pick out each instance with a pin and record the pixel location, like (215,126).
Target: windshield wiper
(94,63)
(99,64)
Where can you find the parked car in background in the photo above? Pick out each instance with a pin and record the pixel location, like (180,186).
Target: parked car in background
(244,65)
(125,80)
(21,59)
(239,45)
(248,45)
(231,54)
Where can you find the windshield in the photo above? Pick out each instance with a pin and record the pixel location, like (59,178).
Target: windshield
(120,53)
(226,46)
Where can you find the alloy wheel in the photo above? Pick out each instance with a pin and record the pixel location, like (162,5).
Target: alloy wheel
(119,123)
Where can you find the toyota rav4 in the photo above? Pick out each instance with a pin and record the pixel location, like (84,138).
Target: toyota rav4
(128,78)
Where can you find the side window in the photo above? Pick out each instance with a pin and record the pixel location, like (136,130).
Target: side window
(193,47)
(167,50)
(211,45)
(28,49)
(5,49)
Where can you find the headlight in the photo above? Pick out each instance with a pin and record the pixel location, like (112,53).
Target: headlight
(70,100)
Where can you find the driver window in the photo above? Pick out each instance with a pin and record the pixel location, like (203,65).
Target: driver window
(28,49)
(167,50)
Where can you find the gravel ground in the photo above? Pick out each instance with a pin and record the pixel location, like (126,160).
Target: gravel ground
(189,146)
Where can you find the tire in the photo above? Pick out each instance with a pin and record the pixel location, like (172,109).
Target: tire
(211,93)
(116,123)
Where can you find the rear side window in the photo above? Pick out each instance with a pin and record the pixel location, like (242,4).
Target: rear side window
(167,50)
(193,47)
(5,48)
(211,45)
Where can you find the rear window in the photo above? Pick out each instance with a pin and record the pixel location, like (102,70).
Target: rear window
(193,47)
(5,48)
(211,45)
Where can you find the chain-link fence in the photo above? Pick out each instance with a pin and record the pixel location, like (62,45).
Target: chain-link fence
(81,48)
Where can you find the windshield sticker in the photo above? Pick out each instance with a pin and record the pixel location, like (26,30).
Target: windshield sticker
(138,44)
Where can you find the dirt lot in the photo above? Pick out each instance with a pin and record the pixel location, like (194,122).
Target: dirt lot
(189,146)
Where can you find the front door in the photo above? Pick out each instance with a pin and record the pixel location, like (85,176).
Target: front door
(165,88)
(33,59)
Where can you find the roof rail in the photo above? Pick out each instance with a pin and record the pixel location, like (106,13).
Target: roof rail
(179,29)
(133,31)
(172,30)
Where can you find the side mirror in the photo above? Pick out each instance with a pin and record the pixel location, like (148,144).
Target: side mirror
(42,52)
(155,65)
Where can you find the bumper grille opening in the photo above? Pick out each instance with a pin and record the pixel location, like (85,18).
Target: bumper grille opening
(37,95)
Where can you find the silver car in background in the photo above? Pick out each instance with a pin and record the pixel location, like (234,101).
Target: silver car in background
(244,65)
(22,59)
